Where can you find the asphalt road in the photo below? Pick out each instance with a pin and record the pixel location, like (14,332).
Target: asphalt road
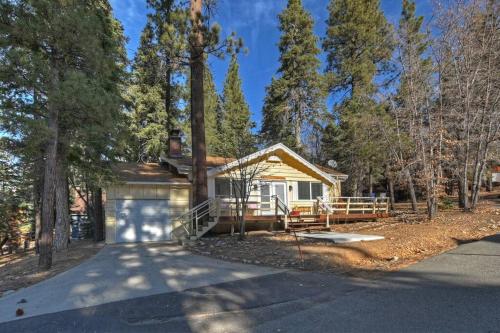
(458,291)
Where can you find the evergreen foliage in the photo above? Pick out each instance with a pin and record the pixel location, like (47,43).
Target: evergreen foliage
(236,126)
(212,105)
(359,45)
(61,73)
(158,85)
(295,99)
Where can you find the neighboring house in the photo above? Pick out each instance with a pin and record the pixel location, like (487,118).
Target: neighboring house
(495,175)
(144,206)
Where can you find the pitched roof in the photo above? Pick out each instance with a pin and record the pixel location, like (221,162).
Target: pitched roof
(272,150)
(212,161)
(147,173)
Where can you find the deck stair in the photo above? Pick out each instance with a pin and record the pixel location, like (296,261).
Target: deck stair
(199,220)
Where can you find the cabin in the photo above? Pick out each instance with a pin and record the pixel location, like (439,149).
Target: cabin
(153,201)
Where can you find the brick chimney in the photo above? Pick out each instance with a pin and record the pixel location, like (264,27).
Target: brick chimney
(174,144)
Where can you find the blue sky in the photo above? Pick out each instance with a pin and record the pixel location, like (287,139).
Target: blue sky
(256,22)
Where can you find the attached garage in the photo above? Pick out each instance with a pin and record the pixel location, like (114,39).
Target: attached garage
(144,205)
(142,220)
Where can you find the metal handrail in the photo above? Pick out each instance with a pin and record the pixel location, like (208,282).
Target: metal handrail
(190,219)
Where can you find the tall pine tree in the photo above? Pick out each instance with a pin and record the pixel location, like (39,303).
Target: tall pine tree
(236,127)
(295,99)
(61,74)
(212,104)
(358,44)
(157,78)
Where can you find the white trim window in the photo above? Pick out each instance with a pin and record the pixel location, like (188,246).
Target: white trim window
(228,188)
(309,190)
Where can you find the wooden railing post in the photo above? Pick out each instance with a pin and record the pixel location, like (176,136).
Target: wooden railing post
(374,203)
(347,206)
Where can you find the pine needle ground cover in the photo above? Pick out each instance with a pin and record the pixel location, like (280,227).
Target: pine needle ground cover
(408,240)
(20,270)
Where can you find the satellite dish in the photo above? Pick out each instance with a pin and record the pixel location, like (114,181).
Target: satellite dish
(332,163)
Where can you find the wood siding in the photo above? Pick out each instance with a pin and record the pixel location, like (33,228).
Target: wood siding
(290,172)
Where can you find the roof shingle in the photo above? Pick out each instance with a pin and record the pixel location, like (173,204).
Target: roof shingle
(148,173)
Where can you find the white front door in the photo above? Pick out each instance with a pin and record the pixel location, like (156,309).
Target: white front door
(267,192)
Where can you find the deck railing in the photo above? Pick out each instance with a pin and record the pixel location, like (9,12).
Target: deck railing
(255,206)
(336,205)
(356,205)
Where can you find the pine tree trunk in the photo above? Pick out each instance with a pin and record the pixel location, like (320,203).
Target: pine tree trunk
(168,98)
(62,224)
(390,186)
(199,149)
(168,72)
(370,181)
(38,185)
(98,215)
(392,199)
(37,207)
(48,197)
(463,191)
(411,190)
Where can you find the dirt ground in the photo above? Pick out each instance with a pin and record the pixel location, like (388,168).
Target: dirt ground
(408,239)
(20,270)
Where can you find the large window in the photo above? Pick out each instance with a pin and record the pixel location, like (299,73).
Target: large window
(310,190)
(225,187)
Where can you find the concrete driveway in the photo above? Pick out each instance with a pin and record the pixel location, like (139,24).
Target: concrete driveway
(458,291)
(121,272)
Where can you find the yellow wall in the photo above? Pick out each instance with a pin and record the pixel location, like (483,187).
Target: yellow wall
(178,201)
(290,171)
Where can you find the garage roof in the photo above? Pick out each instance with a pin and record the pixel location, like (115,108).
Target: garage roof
(147,173)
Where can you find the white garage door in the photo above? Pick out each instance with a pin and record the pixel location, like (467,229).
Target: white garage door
(142,221)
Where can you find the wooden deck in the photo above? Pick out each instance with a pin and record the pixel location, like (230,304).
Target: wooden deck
(302,222)
(321,216)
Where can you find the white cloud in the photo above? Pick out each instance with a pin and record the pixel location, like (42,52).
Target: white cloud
(249,17)
(128,10)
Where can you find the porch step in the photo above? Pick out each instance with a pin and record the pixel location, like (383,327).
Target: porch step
(203,229)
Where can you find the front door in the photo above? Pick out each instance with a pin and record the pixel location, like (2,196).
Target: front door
(267,192)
